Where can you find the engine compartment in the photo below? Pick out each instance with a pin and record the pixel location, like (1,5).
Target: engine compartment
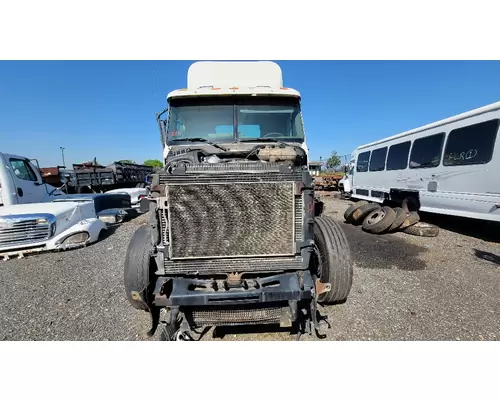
(275,153)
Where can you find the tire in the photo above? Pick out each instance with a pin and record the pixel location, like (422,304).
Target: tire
(362,212)
(336,266)
(139,269)
(400,218)
(83,190)
(378,221)
(410,220)
(348,213)
(422,229)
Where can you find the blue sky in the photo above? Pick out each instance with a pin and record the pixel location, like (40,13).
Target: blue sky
(105,109)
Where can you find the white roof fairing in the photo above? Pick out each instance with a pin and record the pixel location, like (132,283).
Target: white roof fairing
(228,74)
(212,78)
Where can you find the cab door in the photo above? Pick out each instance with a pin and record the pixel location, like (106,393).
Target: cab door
(28,186)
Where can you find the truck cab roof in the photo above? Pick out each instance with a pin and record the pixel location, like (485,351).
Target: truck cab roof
(253,78)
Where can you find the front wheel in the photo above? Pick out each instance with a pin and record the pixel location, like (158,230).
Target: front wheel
(139,269)
(334,260)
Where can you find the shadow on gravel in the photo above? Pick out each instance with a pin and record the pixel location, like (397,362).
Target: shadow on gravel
(106,233)
(483,230)
(484,255)
(383,251)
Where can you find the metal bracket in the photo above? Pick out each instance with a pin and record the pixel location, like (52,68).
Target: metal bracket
(322,287)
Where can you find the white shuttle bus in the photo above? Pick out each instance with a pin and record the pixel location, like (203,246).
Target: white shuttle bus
(448,167)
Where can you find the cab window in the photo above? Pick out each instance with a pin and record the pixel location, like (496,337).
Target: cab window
(22,169)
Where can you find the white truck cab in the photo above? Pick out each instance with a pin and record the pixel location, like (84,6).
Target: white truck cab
(21,182)
(346,183)
(251,91)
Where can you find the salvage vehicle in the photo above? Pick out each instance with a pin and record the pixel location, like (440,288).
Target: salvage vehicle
(92,177)
(21,182)
(67,222)
(448,167)
(235,235)
(136,195)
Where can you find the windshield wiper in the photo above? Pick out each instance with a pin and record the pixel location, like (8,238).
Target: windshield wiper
(200,140)
(265,140)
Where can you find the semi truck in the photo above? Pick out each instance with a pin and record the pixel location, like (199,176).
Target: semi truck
(235,235)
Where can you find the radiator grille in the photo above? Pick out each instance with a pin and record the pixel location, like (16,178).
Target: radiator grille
(23,233)
(264,264)
(231,219)
(228,316)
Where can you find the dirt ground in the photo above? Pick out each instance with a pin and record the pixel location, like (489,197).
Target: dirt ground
(404,288)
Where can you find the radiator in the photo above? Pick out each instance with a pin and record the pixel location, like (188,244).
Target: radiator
(232,219)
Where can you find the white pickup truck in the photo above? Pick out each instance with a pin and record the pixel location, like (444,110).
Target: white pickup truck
(67,222)
(21,183)
(35,216)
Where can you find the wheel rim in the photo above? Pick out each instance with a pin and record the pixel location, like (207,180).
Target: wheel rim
(376,216)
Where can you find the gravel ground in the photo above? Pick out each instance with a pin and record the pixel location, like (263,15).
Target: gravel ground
(405,288)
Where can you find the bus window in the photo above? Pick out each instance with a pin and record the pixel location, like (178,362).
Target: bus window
(471,144)
(362,164)
(377,161)
(426,151)
(398,156)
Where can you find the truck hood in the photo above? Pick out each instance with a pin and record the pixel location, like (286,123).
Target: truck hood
(134,193)
(55,209)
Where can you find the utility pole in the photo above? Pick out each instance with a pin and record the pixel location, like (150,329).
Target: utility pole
(62,153)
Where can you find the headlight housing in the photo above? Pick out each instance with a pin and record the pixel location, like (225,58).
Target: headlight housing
(76,238)
(53,227)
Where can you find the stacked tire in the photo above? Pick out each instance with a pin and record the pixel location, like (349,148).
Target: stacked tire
(379,219)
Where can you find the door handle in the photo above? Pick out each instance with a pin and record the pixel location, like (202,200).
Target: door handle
(20,192)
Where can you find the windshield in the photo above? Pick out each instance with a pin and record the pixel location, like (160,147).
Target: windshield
(231,119)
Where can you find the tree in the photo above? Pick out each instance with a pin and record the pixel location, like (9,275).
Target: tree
(334,160)
(153,163)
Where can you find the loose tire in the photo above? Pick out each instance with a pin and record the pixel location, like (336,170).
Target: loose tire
(400,218)
(379,220)
(139,269)
(359,215)
(348,213)
(410,220)
(422,229)
(334,259)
